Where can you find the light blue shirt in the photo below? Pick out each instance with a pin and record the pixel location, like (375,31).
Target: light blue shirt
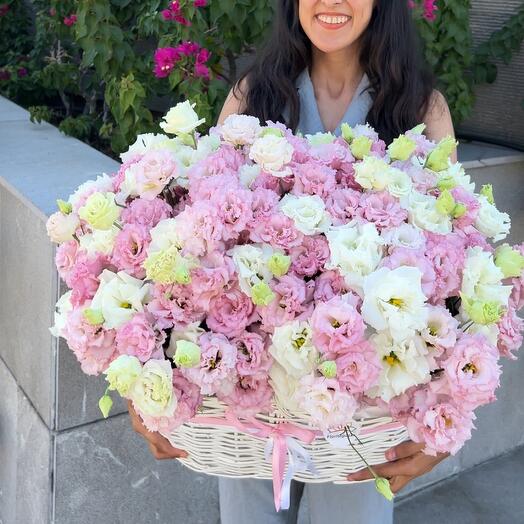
(310,121)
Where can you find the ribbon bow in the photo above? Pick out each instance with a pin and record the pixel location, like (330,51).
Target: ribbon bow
(281,446)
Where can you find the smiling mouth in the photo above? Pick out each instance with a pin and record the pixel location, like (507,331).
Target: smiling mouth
(333,21)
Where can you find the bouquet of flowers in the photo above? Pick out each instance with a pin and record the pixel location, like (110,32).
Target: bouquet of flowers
(325,277)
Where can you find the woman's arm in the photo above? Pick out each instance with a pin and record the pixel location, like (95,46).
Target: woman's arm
(438,120)
(234,103)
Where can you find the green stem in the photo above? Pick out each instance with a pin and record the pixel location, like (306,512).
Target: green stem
(358,453)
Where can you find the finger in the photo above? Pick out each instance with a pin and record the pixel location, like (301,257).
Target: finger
(165,447)
(398,482)
(408,466)
(403,450)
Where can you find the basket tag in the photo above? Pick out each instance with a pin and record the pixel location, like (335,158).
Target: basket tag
(338,437)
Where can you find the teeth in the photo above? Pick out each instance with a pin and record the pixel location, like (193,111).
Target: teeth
(333,19)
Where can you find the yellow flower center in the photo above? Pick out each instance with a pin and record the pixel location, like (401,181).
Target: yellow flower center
(126,305)
(397,302)
(391,359)
(335,323)
(470,368)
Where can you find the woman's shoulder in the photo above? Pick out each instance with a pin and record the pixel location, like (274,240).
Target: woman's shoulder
(438,117)
(235,102)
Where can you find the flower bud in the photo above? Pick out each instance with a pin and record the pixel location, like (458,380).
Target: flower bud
(383,487)
(509,260)
(261,294)
(361,147)
(279,264)
(401,148)
(187,354)
(328,368)
(438,159)
(93,316)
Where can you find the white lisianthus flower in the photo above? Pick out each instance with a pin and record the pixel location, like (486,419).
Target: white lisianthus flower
(285,386)
(206,145)
(482,279)
(272,153)
(372,173)
(122,373)
(404,364)
(240,130)
(422,210)
(119,296)
(247,174)
(152,391)
(393,300)
(356,250)
(61,228)
(308,212)
(62,309)
(292,347)
(490,331)
(99,241)
(398,183)
(404,235)
(142,145)
(492,222)
(455,173)
(102,184)
(181,119)
(251,264)
(164,235)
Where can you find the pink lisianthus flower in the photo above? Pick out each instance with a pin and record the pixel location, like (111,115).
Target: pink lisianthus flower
(335,155)
(314,178)
(252,357)
(472,205)
(278,230)
(264,203)
(211,278)
(293,299)
(443,427)
(442,329)
(511,328)
(382,209)
(325,402)
(328,285)
(217,370)
(472,371)
(251,394)
(309,258)
(93,346)
(83,277)
(337,325)
(230,312)
(206,187)
(144,212)
(403,256)
(66,255)
(226,160)
(359,368)
(200,229)
(174,306)
(234,206)
(138,338)
(343,205)
(130,249)
(423,179)
(153,172)
(447,256)
(188,399)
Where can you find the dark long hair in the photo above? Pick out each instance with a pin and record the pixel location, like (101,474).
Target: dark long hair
(400,84)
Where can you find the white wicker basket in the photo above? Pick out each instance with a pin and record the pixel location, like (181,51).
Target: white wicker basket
(223,450)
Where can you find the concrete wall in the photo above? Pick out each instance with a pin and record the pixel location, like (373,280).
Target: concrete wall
(60,462)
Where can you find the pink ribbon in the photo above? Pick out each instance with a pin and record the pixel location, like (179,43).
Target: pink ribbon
(279,433)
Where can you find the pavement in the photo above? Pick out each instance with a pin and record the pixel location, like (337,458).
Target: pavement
(490,493)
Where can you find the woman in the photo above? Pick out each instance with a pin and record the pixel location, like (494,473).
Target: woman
(328,62)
